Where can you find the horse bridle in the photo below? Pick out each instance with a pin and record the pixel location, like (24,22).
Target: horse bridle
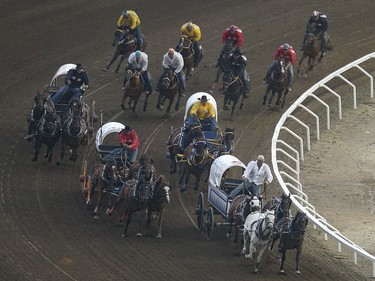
(267,232)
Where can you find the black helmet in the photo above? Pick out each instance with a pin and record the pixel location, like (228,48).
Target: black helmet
(237,52)
(232,28)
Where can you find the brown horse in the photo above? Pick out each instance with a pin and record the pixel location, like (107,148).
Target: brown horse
(141,172)
(74,130)
(291,232)
(48,131)
(232,90)
(179,140)
(36,114)
(103,177)
(133,89)
(241,206)
(125,45)
(311,50)
(186,49)
(195,161)
(278,84)
(168,90)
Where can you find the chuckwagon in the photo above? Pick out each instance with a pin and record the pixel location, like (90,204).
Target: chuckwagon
(225,175)
(107,151)
(63,102)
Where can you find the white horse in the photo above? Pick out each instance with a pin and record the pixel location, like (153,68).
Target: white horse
(259,228)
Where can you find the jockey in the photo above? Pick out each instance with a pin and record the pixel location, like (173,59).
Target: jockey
(139,61)
(193,33)
(234,35)
(317,25)
(237,62)
(205,112)
(128,138)
(174,60)
(74,79)
(284,51)
(129,20)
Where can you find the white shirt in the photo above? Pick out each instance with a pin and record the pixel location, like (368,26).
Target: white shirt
(141,64)
(256,175)
(177,62)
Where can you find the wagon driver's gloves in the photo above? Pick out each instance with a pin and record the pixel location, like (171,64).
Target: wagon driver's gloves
(125,146)
(69,82)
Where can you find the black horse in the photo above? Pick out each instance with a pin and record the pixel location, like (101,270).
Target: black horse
(179,140)
(48,131)
(278,83)
(291,232)
(232,90)
(125,44)
(75,130)
(281,206)
(223,64)
(168,89)
(195,161)
(37,111)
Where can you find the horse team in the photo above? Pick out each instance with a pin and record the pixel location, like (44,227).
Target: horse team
(140,189)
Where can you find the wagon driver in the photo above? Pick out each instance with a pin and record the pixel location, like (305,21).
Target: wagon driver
(128,138)
(256,173)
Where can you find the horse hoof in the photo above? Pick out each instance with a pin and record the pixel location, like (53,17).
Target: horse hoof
(124,235)
(139,234)
(282,272)
(158,236)
(105,69)
(298,272)
(255,271)
(96,217)
(183,189)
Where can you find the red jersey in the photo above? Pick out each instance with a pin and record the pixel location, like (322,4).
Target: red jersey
(130,139)
(289,56)
(236,37)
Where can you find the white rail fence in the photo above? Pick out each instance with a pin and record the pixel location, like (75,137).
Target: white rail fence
(286,162)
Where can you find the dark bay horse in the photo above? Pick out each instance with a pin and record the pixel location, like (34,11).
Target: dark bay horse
(74,130)
(241,206)
(291,232)
(168,90)
(141,172)
(186,48)
(195,161)
(232,90)
(223,62)
(37,111)
(179,140)
(133,89)
(125,44)
(226,142)
(158,200)
(281,206)
(48,131)
(278,83)
(312,51)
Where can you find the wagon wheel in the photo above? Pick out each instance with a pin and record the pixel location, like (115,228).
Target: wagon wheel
(88,190)
(210,223)
(199,211)
(84,176)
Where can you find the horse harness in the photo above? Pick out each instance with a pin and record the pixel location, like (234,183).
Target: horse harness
(265,233)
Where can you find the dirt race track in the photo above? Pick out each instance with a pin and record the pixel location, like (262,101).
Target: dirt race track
(46,231)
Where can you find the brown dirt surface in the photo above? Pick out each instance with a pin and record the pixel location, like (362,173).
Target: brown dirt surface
(47,232)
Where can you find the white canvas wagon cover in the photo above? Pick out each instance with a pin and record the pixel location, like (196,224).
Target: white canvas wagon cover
(63,70)
(105,130)
(220,165)
(194,98)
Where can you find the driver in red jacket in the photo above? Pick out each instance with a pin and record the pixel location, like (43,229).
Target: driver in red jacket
(128,138)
